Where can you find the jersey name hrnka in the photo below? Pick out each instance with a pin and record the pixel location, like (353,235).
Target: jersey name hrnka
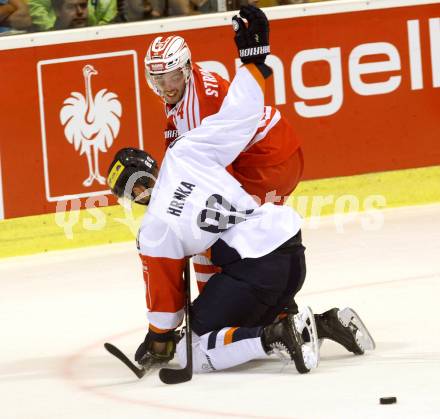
(196,201)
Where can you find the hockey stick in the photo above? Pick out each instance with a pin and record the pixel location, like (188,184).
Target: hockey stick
(167,375)
(140,372)
(171,376)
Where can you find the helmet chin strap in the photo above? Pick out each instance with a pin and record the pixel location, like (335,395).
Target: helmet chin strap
(136,201)
(145,194)
(187,70)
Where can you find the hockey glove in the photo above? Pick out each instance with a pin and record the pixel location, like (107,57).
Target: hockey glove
(146,354)
(252,39)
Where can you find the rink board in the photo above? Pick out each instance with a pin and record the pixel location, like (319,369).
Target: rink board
(346,195)
(358,80)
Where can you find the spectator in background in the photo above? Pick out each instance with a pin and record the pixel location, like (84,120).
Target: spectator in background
(212,6)
(133,10)
(162,8)
(14,15)
(6,10)
(100,12)
(70,14)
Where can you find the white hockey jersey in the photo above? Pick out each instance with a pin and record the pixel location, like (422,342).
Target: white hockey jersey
(196,201)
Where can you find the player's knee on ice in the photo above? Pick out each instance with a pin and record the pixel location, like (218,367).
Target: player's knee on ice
(222,349)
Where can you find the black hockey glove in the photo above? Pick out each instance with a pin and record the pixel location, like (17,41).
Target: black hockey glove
(252,40)
(145,354)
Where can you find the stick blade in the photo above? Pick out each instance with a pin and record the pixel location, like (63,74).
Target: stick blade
(123,358)
(170,376)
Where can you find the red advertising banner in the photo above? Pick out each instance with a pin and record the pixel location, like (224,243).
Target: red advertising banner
(92,110)
(361,88)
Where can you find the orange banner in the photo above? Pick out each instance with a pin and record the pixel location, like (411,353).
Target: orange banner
(362,90)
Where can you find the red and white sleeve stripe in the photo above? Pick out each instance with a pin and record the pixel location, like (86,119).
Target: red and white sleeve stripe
(204,270)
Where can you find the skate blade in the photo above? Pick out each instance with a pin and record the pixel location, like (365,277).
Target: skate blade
(310,350)
(363,337)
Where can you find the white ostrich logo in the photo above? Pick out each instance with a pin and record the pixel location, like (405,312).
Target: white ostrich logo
(90,123)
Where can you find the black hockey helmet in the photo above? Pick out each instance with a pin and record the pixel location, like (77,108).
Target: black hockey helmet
(130,165)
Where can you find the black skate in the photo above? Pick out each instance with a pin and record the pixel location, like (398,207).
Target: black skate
(346,328)
(294,338)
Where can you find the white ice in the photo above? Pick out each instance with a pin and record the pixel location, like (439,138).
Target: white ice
(58,309)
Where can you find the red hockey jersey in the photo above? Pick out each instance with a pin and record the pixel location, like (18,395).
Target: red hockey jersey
(196,201)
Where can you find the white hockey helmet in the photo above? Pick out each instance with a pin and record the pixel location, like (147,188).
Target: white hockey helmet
(166,54)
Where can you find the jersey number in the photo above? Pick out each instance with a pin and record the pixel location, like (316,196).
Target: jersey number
(220,214)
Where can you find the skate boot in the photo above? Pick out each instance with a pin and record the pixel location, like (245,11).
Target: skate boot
(346,328)
(294,338)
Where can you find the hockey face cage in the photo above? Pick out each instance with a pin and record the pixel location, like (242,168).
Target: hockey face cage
(165,55)
(131,167)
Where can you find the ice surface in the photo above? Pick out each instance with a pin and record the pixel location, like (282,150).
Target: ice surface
(58,309)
